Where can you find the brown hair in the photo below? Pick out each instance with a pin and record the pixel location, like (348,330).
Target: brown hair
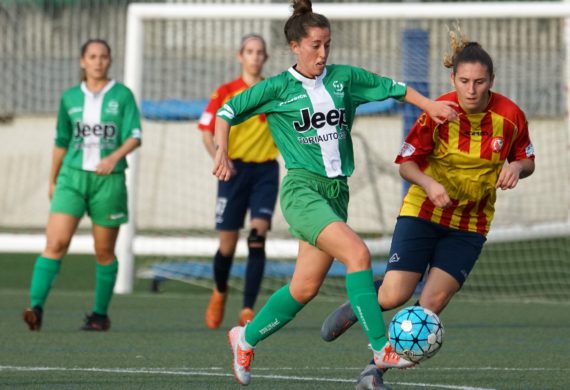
(248,37)
(303,18)
(465,51)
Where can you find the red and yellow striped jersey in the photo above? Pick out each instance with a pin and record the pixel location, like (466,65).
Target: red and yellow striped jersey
(466,157)
(250,141)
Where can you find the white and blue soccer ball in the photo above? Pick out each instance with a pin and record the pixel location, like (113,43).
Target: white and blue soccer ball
(416,333)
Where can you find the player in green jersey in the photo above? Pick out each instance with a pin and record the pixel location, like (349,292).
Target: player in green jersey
(97,126)
(310,109)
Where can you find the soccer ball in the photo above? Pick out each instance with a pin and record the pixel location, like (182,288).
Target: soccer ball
(416,333)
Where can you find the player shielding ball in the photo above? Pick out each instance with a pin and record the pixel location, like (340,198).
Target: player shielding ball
(253,186)
(97,126)
(310,109)
(455,169)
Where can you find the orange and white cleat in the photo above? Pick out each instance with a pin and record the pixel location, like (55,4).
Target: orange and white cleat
(245,315)
(242,356)
(215,310)
(387,358)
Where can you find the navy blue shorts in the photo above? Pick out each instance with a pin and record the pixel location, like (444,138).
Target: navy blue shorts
(418,243)
(254,186)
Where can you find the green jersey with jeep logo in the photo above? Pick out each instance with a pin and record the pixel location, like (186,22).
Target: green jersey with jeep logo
(91,125)
(311,119)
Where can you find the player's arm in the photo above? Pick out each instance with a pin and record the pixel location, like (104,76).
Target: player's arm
(222,164)
(513,172)
(439,111)
(56,162)
(410,171)
(107,164)
(209,144)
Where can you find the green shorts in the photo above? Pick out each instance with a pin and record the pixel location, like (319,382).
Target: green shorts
(103,197)
(310,202)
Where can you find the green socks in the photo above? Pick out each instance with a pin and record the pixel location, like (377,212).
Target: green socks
(364,302)
(277,312)
(105,276)
(43,276)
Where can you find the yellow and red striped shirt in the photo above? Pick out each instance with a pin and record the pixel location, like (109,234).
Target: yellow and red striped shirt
(466,157)
(250,141)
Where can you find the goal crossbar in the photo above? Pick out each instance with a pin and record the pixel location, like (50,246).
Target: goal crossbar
(138,13)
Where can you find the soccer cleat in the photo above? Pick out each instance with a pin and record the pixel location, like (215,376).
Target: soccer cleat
(215,310)
(387,358)
(246,315)
(33,317)
(96,322)
(242,357)
(338,322)
(371,379)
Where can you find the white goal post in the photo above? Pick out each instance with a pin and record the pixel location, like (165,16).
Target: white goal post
(139,13)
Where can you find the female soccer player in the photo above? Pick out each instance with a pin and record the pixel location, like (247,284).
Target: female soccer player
(455,169)
(254,185)
(310,109)
(98,125)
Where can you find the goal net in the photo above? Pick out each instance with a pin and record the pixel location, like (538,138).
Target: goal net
(177,54)
(186,51)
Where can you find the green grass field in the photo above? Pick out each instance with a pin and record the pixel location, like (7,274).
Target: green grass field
(159,341)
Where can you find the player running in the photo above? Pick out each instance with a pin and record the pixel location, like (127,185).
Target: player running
(97,126)
(253,186)
(455,169)
(310,109)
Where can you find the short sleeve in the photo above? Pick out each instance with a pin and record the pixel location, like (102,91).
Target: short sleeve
(419,143)
(63,128)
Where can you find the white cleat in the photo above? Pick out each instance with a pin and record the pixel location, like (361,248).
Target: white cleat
(242,356)
(387,358)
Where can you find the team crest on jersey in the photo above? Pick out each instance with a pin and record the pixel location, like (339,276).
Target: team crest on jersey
(112,107)
(529,150)
(497,144)
(407,150)
(422,120)
(338,88)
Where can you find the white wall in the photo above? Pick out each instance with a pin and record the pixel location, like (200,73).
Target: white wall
(177,191)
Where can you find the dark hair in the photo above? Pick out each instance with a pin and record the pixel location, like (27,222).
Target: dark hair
(464,51)
(303,18)
(94,40)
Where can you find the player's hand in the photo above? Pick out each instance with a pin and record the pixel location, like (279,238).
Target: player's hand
(509,176)
(442,111)
(223,166)
(51,190)
(106,166)
(438,195)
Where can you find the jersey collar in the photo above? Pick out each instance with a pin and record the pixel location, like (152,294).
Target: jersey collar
(307,82)
(102,92)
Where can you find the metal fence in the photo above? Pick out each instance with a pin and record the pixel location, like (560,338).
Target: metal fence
(40,42)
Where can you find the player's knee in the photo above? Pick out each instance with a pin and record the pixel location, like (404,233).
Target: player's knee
(359,259)
(104,254)
(56,248)
(255,241)
(305,292)
(391,298)
(435,302)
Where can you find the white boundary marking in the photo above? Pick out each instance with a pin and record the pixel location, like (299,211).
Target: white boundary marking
(208,372)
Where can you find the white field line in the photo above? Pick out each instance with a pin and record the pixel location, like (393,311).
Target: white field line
(208,372)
